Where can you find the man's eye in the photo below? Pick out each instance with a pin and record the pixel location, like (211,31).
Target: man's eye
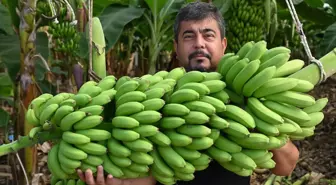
(187,36)
(209,35)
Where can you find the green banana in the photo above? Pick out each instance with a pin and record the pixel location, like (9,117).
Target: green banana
(154,104)
(53,163)
(212,76)
(125,135)
(200,88)
(317,106)
(191,76)
(258,80)
(95,134)
(240,115)
(275,85)
(245,49)
(176,73)
(258,49)
(171,157)
(126,87)
(88,122)
(303,86)
(47,113)
(274,52)
(69,120)
(223,60)
(157,92)
(139,145)
(75,138)
(219,105)
(221,95)
(236,129)
(194,130)
(160,139)
(289,68)
(31,118)
(288,111)
(184,95)
(277,61)
(124,122)
(235,69)
(71,152)
(93,109)
(244,75)
(92,148)
(117,149)
(174,109)
(200,143)
(227,145)
(263,112)
(218,122)
(227,65)
(147,117)
(219,155)
(187,154)
(146,130)
(129,108)
(178,139)
(82,99)
(214,85)
(133,96)
(171,122)
(196,117)
(101,99)
(292,98)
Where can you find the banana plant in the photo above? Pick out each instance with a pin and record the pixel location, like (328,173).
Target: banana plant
(160,17)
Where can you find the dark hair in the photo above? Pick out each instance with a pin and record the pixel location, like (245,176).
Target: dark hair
(199,11)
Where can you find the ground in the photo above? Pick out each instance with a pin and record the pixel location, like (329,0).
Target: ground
(317,153)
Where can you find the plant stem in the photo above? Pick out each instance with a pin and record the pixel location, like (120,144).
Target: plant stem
(25,141)
(311,72)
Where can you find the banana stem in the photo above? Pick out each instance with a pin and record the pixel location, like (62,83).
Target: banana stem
(311,72)
(25,141)
(302,179)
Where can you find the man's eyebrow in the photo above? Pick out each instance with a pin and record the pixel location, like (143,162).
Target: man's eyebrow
(206,30)
(187,31)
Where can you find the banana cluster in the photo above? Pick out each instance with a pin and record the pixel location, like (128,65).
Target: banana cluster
(172,124)
(65,37)
(246,23)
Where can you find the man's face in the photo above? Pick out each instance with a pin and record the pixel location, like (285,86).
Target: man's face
(199,45)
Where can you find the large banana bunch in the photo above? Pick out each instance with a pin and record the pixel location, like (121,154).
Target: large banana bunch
(246,22)
(171,124)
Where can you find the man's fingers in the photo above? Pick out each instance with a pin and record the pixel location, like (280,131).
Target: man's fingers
(100,176)
(81,175)
(109,180)
(89,177)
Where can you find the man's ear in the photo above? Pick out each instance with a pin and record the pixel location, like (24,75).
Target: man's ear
(224,44)
(175,46)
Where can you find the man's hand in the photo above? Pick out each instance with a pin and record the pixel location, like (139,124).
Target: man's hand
(285,158)
(89,179)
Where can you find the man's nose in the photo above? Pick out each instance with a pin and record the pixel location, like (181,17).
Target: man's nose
(199,42)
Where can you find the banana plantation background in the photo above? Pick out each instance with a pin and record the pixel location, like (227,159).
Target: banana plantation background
(44,47)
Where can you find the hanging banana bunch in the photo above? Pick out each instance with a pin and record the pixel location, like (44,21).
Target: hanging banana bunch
(250,20)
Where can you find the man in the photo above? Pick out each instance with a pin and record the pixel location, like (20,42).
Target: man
(200,43)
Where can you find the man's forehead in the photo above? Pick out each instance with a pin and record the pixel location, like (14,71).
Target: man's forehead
(197,25)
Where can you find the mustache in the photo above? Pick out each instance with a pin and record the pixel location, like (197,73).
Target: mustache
(199,52)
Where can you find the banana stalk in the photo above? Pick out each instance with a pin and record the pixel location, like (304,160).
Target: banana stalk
(311,72)
(25,141)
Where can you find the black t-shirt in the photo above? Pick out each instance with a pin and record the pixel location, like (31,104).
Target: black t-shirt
(215,174)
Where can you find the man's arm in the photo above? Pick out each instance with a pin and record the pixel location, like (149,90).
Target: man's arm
(286,158)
